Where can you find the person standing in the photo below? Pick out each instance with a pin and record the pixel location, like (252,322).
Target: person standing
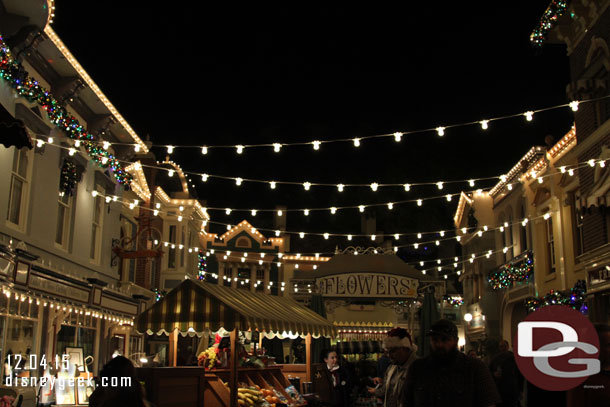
(401,352)
(331,381)
(509,380)
(448,377)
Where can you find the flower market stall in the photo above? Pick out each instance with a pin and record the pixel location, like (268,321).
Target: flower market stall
(200,307)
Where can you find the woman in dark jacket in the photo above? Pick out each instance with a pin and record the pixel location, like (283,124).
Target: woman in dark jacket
(332,382)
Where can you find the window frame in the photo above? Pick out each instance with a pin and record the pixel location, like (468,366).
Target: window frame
(67,220)
(25,188)
(95,249)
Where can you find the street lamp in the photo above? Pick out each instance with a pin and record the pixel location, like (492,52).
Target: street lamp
(468,317)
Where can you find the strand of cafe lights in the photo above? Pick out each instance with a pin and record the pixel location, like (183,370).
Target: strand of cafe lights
(326,235)
(390,205)
(65,306)
(357,142)
(374,186)
(243,281)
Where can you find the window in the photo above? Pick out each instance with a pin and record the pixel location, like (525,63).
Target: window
(171,257)
(550,245)
(509,238)
(577,218)
(129,231)
(229,275)
(17,197)
(96,229)
(64,215)
(503,236)
(182,241)
(260,276)
(523,233)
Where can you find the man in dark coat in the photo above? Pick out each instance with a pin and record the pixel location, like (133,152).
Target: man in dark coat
(448,377)
(509,380)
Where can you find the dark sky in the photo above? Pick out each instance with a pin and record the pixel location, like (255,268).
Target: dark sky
(189,73)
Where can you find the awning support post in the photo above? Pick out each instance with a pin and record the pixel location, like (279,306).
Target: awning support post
(173,347)
(233,367)
(308,357)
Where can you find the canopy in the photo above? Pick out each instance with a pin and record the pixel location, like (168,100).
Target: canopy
(201,306)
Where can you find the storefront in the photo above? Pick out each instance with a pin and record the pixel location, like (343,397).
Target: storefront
(199,308)
(44,312)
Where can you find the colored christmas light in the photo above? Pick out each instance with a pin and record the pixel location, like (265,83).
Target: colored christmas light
(574,298)
(549,19)
(203,266)
(159,293)
(26,86)
(67,177)
(454,301)
(510,273)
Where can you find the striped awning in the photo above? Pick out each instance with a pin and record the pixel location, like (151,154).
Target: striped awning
(202,306)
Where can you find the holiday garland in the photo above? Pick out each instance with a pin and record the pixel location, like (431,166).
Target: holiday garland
(455,301)
(509,273)
(548,21)
(67,178)
(159,293)
(203,266)
(574,297)
(19,79)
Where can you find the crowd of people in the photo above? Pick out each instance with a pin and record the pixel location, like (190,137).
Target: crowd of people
(448,377)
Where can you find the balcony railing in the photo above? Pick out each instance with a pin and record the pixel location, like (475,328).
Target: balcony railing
(515,273)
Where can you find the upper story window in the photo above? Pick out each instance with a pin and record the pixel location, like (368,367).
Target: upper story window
(509,237)
(523,232)
(19,187)
(577,222)
(550,245)
(64,217)
(171,256)
(96,228)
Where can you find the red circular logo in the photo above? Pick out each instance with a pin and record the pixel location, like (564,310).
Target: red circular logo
(557,348)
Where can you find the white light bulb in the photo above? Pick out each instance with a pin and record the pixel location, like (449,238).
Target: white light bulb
(204,177)
(277,147)
(510,187)
(480,233)
(238,181)
(77,144)
(301,235)
(333,210)
(361,208)
(253,212)
(155,212)
(501,228)
(228,211)
(50,140)
(326,236)
(440,131)
(316,145)
(448,198)
(181,208)
(397,136)
(419,202)
(464,230)
(240,149)
(131,206)
(442,233)
(423,272)
(602,163)
(540,180)
(562,169)
(277,233)
(94,193)
(419,235)
(170,173)
(574,105)
(39,143)
(373,237)
(546,216)
(438,243)
(396,236)
(407,187)
(104,160)
(228,227)
(204,150)
(306,185)
(170,149)
(272,184)
(529,115)
(484,124)
(390,205)
(280,213)
(349,237)
(306,212)
(340,187)
(108,199)
(458,238)
(374,186)
(105,145)
(71,151)
(591,162)
(570,172)
(180,218)
(356,142)
(416,245)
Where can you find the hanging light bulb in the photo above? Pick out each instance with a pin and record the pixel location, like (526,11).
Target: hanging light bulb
(442,233)
(316,145)
(333,210)
(570,172)
(204,150)
(438,243)
(228,211)
(396,236)
(540,180)
(416,245)
(361,208)
(39,143)
(277,233)
(306,185)
(170,149)
(306,212)
(439,185)
(253,212)
(602,163)
(277,147)
(94,193)
(448,197)
(104,160)
(240,149)
(155,212)
(349,237)
(471,183)
(397,136)
(440,131)
(562,169)
(484,124)
(301,235)
(374,186)
(272,184)
(574,105)
(170,173)
(280,212)
(326,235)
(204,177)
(228,227)
(510,187)
(390,205)
(407,187)
(591,163)
(180,218)
(419,202)
(238,181)
(529,115)
(356,142)
(340,187)
(71,151)
(77,145)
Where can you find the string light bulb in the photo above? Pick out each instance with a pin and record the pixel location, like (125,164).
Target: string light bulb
(333,210)
(306,212)
(71,151)
(574,105)
(374,186)
(419,202)
(228,211)
(326,235)
(440,131)
(407,187)
(349,237)
(484,124)
(529,115)
(272,184)
(306,185)
(204,177)
(340,187)
(253,212)
(105,145)
(240,149)
(390,205)
(361,208)
(397,136)
(277,147)
(77,145)
(471,183)
(316,144)
(356,142)
(170,173)
(170,149)
(204,150)
(238,181)
(439,185)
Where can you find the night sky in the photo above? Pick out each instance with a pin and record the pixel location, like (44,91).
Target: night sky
(187,73)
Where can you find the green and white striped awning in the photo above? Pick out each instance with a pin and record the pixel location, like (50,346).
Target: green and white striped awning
(200,306)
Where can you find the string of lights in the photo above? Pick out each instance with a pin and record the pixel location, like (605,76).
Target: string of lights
(361,207)
(357,142)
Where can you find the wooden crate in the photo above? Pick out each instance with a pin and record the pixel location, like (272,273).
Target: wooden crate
(174,386)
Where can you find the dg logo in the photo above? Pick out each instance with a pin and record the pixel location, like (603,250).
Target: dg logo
(557,348)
